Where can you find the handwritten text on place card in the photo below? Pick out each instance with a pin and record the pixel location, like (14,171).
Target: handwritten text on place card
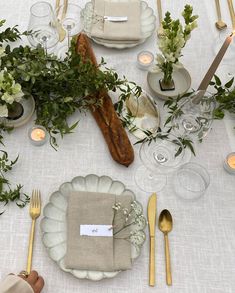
(96,230)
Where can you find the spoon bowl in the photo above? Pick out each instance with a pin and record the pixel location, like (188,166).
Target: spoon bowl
(220,25)
(165,224)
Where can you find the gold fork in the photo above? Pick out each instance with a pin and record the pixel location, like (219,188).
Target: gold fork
(34,211)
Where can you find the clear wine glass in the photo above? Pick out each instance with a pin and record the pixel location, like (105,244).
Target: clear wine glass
(69,17)
(163,155)
(43,25)
(194,116)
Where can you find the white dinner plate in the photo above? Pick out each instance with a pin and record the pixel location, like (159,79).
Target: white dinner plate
(147,19)
(53,224)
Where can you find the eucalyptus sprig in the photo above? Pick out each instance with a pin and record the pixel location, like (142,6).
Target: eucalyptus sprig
(10,34)
(60,87)
(8,194)
(225,97)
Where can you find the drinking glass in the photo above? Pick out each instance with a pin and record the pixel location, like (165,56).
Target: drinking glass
(43,25)
(69,16)
(191,181)
(161,156)
(194,116)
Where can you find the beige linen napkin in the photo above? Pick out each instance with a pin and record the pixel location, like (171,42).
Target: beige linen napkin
(100,253)
(116,31)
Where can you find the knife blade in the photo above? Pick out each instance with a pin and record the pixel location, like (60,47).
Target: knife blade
(152,208)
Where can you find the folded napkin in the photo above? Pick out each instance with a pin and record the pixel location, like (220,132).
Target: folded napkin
(129,30)
(99,253)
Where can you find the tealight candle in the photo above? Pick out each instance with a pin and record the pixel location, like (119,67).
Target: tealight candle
(229,163)
(37,135)
(145,60)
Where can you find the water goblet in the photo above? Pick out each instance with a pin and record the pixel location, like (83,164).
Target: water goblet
(43,26)
(163,155)
(194,116)
(69,17)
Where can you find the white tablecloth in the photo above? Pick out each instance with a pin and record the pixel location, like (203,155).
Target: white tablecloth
(202,242)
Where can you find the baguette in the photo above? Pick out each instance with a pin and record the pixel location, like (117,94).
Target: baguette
(105,115)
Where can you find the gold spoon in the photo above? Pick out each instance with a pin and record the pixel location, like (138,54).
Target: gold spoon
(165,224)
(219,24)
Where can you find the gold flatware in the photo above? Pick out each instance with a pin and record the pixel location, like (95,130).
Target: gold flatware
(152,207)
(34,211)
(160,31)
(232,13)
(219,23)
(165,224)
(65,8)
(62,32)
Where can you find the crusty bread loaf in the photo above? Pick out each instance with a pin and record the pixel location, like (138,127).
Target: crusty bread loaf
(106,116)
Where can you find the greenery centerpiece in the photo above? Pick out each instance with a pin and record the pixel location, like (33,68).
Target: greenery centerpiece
(175,36)
(58,87)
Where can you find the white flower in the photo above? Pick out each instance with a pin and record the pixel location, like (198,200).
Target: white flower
(170,57)
(18,97)
(3,111)
(15,88)
(7,98)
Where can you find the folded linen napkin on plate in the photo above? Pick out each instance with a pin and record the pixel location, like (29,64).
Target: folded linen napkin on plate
(97,253)
(129,30)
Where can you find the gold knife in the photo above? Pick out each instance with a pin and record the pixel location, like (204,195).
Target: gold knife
(232,13)
(152,208)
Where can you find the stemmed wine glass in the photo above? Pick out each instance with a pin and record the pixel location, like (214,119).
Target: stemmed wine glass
(163,155)
(43,26)
(69,17)
(194,116)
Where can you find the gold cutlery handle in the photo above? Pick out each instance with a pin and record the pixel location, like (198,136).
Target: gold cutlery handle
(30,251)
(168,262)
(152,262)
(159,9)
(232,13)
(217,3)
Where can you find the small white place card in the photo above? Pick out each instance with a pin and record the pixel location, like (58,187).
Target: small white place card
(96,230)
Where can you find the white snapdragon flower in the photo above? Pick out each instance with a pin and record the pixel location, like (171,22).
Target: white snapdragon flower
(8,98)
(170,57)
(193,25)
(3,111)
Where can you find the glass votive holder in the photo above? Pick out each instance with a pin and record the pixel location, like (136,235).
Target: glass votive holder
(191,181)
(37,135)
(144,60)
(229,163)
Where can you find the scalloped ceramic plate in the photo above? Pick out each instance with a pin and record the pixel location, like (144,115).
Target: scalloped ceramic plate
(53,224)
(148,25)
